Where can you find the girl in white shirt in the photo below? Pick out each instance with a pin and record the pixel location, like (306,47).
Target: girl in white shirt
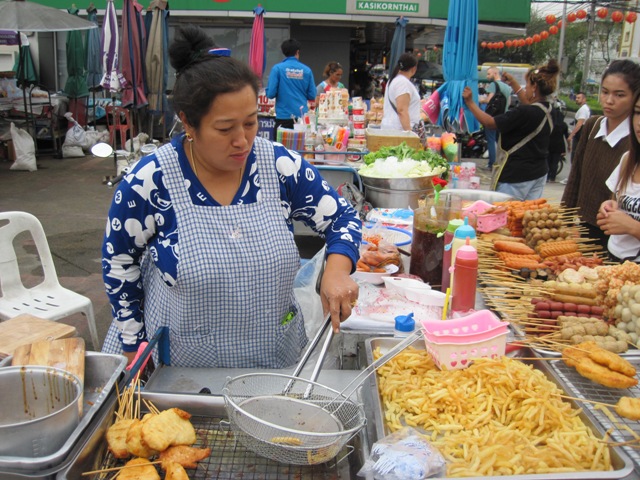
(401,98)
(620,218)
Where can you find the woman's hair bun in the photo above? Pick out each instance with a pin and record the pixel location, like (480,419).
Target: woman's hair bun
(552,66)
(188,43)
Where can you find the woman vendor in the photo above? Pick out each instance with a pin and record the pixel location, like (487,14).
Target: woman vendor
(199,236)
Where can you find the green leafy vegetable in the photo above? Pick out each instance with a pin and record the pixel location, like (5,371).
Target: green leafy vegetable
(402,152)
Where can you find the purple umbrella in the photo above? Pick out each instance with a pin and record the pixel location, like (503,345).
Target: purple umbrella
(112,79)
(133,38)
(257,52)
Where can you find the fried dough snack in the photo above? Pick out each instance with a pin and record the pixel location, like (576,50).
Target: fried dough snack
(138,469)
(573,354)
(169,427)
(175,471)
(135,445)
(184,455)
(603,375)
(628,407)
(597,364)
(613,362)
(117,438)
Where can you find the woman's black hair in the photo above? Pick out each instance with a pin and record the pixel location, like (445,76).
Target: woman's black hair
(202,76)
(331,68)
(406,62)
(633,157)
(628,70)
(545,77)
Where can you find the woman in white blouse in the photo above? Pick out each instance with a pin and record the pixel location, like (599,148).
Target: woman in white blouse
(620,217)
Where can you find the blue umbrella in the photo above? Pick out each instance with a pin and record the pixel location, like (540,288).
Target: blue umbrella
(398,42)
(93,63)
(460,64)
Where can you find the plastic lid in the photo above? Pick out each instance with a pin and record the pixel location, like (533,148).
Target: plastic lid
(467,252)
(405,323)
(465,230)
(454,225)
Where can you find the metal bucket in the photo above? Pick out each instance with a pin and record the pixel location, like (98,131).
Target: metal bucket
(39,410)
(396,192)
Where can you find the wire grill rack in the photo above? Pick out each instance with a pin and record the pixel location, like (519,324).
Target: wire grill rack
(230,460)
(621,429)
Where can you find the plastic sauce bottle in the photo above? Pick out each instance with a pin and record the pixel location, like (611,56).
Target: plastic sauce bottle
(465,279)
(460,238)
(404,325)
(446,259)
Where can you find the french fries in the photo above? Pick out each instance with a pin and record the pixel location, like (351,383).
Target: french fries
(470,415)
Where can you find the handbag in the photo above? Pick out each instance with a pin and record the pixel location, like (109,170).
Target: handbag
(502,156)
(419,128)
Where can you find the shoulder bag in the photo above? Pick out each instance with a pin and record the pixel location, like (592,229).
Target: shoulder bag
(503,156)
(419,128)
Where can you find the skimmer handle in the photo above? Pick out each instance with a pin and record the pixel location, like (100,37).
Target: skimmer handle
(357,381)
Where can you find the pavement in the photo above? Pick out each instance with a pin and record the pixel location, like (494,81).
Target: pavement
(71,201)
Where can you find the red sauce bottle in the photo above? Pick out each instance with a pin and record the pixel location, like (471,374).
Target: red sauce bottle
(465,278)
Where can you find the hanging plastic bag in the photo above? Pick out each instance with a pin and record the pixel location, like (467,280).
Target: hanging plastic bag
(25,149)
(75,136)
(401,455)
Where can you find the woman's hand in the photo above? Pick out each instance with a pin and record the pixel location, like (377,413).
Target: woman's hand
(338,291)
(606,207)
(617,222)
(467,95)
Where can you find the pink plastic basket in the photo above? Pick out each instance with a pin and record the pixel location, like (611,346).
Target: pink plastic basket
(486,223)
(454,343)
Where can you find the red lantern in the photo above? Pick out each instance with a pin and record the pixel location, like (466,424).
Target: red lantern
(544,35)
(617,16)
(536,38)
(602,13)
(553,29)
(483,45)
(581,14)
(508,43)
(529,40)
(521,42)
(559,24)
(631,17)
(571,17)
(501,45)
(550,19)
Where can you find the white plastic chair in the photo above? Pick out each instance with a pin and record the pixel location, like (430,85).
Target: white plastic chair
(49,299)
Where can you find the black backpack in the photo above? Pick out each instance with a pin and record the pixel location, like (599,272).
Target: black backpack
(498,103)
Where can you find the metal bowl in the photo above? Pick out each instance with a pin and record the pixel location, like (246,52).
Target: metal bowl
(472,195)
(413,183)
(39,409)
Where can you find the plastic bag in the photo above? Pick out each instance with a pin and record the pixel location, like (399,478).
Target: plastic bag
(402,455)
(25,149)
(94,136)
(72,151)
(75,136)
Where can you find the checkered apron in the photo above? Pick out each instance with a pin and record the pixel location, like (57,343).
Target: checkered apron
(231,303)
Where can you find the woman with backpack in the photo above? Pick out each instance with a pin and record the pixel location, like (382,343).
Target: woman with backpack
(521,168)
(603,142)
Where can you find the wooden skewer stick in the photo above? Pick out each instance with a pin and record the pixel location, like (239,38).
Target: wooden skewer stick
(602,404)
(113,469)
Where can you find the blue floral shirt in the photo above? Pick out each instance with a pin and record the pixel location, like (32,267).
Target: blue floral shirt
(142,218)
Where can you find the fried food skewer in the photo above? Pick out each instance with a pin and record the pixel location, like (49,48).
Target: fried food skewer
(627,407)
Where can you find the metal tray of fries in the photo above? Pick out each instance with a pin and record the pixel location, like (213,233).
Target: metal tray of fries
(621,464)
(620,429)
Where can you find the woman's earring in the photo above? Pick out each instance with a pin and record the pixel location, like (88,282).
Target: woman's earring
(189,137)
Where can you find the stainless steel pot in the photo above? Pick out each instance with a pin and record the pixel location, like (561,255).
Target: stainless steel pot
(39,409)
(396,192)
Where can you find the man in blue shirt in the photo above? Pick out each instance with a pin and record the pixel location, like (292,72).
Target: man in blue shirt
(291,84)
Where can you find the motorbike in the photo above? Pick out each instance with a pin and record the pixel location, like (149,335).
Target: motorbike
(474,144)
